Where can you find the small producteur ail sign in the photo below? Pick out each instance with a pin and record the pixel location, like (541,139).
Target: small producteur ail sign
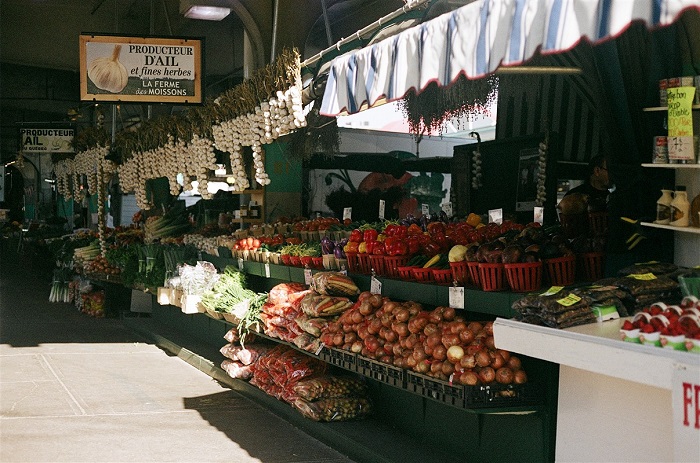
(141,69)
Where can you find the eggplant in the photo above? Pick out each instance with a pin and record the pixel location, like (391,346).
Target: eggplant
(472,249)
(339,253)
(327,245)
(512,254)
(495,256)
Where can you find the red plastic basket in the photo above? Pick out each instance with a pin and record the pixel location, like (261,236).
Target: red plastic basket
(523,277)
(307,261)
(460,272)
(473,268)
(442,276)
(423,275)
(365,264)
(295,261)
(317,262)
(377,263)
(591,265)
(560,271)
(392,264)
(492,277)
(353,262)
(406,273)
(286,259)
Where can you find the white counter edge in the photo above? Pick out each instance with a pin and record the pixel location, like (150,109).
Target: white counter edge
(593,348)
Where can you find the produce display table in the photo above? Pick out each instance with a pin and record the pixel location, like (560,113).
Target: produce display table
(618,401)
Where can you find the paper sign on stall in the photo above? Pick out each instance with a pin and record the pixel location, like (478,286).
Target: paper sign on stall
(680,124)
(686,412)
(382,205)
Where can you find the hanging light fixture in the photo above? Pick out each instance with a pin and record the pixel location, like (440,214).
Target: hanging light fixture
(209,10)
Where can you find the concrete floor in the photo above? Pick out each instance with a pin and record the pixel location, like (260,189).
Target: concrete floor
(78,389)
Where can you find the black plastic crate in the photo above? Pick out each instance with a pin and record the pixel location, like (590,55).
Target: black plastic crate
(340,358)
(383,372)
(432,388)
(502,395)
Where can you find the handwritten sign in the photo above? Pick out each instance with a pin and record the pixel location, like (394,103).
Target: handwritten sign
(680,111)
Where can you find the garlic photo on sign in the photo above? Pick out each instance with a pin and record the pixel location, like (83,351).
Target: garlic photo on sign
(107,73)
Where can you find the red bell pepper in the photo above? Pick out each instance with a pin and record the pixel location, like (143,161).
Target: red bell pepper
(370,235)
(356,236)
(378,249)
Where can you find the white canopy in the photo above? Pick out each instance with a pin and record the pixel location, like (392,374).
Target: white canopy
(476,39)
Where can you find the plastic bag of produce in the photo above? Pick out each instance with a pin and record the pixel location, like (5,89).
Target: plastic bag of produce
(307,342)
(286,293)
(312,325)
(319,305)
(245,355)
(334,284)
(232,335)
(340,409)
(330,387)
(236,369)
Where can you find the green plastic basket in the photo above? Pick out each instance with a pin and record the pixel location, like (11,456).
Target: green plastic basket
(690,286)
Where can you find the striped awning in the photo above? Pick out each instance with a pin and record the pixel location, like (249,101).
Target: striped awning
(476,39)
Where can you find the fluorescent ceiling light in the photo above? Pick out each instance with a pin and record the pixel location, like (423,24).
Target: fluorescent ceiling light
(209,13)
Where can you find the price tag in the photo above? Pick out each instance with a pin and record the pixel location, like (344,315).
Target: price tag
(496,216)
(538,215)
(447,208)
(344,271)
(425,209)
(552,291)
(643,276)
(569,300)
(347,213)
(240,264)
(308,278)
(375,286)
(382,205)
(267,270)
(457,297)
(320,348)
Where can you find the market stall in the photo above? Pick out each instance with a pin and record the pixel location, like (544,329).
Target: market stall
(406,306)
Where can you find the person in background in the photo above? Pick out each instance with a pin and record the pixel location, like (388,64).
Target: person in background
(597,185)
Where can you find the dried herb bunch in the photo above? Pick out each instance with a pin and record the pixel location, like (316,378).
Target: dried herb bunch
(428,110)
(319,136)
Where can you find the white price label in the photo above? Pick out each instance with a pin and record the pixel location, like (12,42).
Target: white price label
(496,216)
(240,264)
(447,208)
(375,286)
(538,215)
(320,348)
(347,213)
(267,270)
(425,209)
(308,278)
(457,297)
(382,205)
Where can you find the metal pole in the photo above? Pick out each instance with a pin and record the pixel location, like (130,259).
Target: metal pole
(275,13)
(327,22)
(365,30)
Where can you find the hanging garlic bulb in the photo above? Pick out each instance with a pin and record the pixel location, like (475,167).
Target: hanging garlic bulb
(107,73)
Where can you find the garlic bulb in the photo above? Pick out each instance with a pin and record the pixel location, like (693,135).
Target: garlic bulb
(107,73)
